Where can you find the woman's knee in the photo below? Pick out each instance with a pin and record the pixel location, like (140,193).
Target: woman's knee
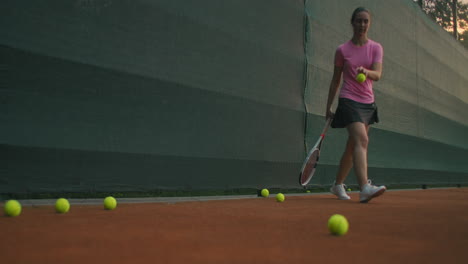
(358,135)
(363,141)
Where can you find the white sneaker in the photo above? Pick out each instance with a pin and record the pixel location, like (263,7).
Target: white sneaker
(340,191)
(370,191)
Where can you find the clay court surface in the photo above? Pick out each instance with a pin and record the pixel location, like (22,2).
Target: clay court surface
(421,226)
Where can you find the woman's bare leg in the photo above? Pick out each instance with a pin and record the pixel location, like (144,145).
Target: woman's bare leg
(359,138)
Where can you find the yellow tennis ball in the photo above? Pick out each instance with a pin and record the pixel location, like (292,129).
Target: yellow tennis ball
(265,193)
(349,189)
(338,225)
(280,197)
(62,206)
(361,77)
(12,208)
(308,191)
(110,203)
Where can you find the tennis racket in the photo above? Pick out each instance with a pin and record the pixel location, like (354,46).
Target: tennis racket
(310,163)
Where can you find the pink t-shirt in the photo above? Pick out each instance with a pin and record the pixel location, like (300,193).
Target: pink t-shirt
(350,57)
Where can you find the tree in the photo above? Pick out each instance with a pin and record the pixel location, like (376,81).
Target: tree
(463,22)
(464,38)
(441,11)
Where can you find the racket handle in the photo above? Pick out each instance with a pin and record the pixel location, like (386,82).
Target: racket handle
(327,125)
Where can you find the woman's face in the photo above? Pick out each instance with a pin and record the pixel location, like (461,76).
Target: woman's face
(361,23)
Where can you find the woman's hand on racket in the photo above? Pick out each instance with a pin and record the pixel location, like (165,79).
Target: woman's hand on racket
(329,115)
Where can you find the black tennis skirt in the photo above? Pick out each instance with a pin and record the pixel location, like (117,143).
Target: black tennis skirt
(349,111)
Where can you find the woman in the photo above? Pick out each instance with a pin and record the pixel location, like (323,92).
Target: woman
(356,108)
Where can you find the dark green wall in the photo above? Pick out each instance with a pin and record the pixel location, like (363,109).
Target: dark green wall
(144,95)
(422,96)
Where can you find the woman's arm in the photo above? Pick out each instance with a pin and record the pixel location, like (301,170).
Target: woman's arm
(374,74)
(334,84)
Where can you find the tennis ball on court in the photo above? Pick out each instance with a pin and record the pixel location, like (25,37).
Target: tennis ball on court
(338,225)
(280,197)
(361,77)
(110,203)
(308,191)
(12,208)
(349,189)
(62,206)
(265,193)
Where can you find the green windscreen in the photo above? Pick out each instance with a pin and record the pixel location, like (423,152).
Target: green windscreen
(422,97)
(142,95)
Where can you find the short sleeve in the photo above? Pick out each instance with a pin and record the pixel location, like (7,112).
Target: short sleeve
(377,53)
(339,59)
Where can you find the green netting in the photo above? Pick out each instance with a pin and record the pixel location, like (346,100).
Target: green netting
(107,95)
(422,97)
(150,94)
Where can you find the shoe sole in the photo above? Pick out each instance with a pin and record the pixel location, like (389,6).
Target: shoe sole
(343,199)
(377,194)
